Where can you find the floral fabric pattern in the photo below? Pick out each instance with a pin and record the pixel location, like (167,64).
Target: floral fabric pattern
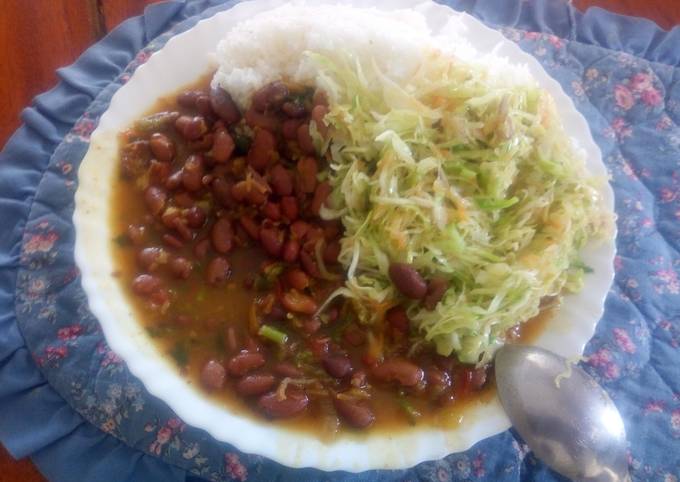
(633,107)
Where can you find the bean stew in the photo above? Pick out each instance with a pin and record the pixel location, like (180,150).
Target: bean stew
(228,264)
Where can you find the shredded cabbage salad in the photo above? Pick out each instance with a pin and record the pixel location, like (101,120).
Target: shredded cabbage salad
(461,175)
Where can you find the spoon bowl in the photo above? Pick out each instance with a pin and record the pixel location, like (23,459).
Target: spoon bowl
(562,413)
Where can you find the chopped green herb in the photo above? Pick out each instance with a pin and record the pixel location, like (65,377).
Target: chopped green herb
(200,296)
(155,331)
(411,412)
(265,280)
(220,344)
(242,142)
(122,240)
(155,122)
(262,283)
(272,334)
(581,265)
(303,357)
(179,354)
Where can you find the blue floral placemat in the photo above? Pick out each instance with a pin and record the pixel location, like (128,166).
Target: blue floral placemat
(70,403)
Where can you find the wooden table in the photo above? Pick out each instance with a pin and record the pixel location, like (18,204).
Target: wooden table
(52,33)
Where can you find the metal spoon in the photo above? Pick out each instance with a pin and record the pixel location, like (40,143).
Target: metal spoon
(574,428)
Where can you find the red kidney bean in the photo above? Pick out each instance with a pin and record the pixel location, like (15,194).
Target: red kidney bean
(222,235)
(331,252)
(201,248)
(436,289)
(172,241)
(272,241)
(145,284)
(291,250)
(223,105)
(183,200)
(276,313)
(513,334)
(180,225)
(203,105)
(294,109)
(207,179)
(222,191)
(307,168)
(250,227)
(286,369)
(399,370)
(319,346)
(479,376)
(407,280)
(299,229)
(135,159)
(359,379)
(239,191)
(271,96)
(318,114)
(169,217)
(259,120)
(251,385)
(252,345)
(281,180)
(311,325)
(332,230)
(309,265)
(354,335)
(151,258)
(159,172)
(244,362)
(174,181)
(160,298)
(332,314)
(321,193)
(320,98)
(289,208)
(438,381)
(296,279)
(337,366)
(253,190)
(181,267)
(262,151)
(192,173)
(188,98)
(155,199)
(475,377)
(398,319)
(191,128)
(447,398)
(223,146)
(232,342)
(305,140)
(272,211)
(298,302)
(354,412)
(162,147)
(203,143)
(290,127)
(184,320)
(195,217)
(218,271)
(136,233)
(213,375)
(294,403)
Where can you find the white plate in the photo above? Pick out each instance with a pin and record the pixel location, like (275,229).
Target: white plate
(182,61)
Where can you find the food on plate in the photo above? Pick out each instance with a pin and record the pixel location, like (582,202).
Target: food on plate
(348,218)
